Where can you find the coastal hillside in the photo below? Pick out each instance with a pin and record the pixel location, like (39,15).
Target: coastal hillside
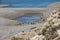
(49,31)
(56,4)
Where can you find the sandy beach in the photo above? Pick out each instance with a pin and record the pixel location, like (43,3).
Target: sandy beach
(11,13)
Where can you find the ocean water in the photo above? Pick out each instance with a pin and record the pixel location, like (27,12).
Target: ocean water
(29,18)
(28,3)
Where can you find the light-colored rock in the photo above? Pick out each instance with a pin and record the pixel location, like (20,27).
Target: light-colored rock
(58,31)
(38,37)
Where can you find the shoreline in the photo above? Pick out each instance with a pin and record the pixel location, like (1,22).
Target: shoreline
(12,13)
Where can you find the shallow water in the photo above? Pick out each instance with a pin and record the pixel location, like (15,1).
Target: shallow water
(29,18)
(28,3)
